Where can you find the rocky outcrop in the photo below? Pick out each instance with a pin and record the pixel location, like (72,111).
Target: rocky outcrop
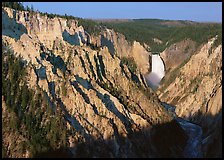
(104,103)
(41,28)
(44,31)
(196,92)
(117,44)
(100,97)
(177,53)
(198,82)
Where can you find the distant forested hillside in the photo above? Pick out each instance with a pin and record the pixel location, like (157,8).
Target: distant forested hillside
(169,32)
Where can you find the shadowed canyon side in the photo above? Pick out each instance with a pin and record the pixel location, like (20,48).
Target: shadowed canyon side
(69,90)
(96,95)
(195,91)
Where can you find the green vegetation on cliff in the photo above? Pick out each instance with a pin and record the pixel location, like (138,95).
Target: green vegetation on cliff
(33,117)
(15,5)
(130,62)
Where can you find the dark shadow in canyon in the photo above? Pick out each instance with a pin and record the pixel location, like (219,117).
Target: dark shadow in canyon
(211,126)
(78,89)
(71,39)
(135,78)
(16,30)
(58,153)
(51,88)
(212,133)
(90,64)
(73,121)
(102,66)
(84,82)
(108,44)
(57,62)
(161,141)
(112,108)
(98,71)
(123,70)
(143,80)
(83,64)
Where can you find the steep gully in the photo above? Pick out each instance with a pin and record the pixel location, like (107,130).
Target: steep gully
(193,148)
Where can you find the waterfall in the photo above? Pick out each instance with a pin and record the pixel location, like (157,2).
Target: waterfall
(158,72)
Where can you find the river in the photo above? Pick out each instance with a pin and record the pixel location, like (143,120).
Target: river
(193,148)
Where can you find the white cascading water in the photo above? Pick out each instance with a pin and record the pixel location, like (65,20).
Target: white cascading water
(158,72)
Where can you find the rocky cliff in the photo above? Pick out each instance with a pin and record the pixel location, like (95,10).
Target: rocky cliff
(199,77)
(196,91)
(117,44)
(45,31)
(69,92)
(102,101)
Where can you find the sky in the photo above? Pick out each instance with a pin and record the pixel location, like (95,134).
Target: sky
(194,11)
